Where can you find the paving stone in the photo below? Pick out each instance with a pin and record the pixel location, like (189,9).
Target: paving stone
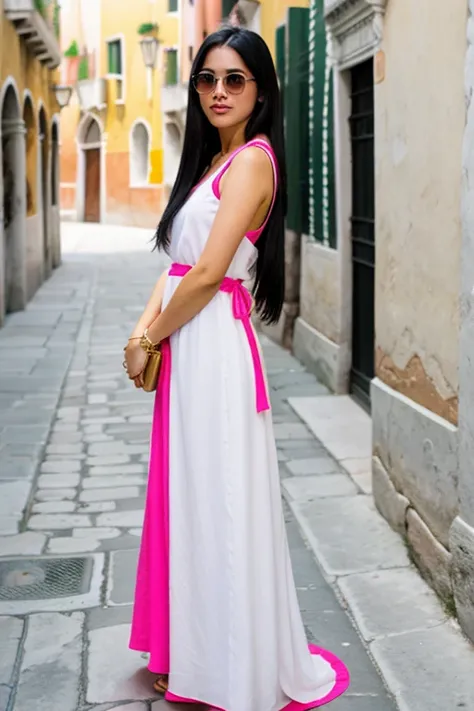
(314,465)
(13,497)
(5,693)
(122,579)
(11,630)
(25,434)
(104,532)
(109,616)
(28,543)
(419,666)
(99,507)
(115,673)
(47,507)
(124,492)
(112,448)
(108,461)
(349,536)
(51,667)
(136,532)
(291,431)
(307,488)
(118,469)
(69,544)
(55,494)
(99,482)
(17,467)
(61,467)
(55,522)
(9,525)
(123,519)
(64,448)
(65,438)
(391,602)
(97,398)
(58,481)
(363,702)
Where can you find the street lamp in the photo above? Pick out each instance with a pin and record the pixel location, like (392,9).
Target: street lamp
(63,94)
(149,46)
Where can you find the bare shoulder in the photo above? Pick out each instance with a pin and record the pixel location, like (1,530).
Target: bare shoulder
(253,163)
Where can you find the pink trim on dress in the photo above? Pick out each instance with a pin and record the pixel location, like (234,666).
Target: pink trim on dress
(253,235)
(151,612)
(341,684)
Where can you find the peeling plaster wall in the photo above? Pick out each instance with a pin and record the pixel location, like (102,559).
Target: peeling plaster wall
(420,116)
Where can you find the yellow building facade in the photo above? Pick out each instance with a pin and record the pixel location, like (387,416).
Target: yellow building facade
(29,129)
(112,133)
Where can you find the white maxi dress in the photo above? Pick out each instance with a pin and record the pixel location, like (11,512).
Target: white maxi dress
(230,632)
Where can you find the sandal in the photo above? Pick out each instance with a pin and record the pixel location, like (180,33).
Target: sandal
(161,684)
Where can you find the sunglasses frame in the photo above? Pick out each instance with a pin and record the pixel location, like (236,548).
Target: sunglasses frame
(216,79)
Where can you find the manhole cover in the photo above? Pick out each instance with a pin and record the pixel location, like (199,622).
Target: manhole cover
(44,578)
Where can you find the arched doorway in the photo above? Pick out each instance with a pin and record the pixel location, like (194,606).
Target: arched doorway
(31,156)
(13,294)
(44,191)
(90,170)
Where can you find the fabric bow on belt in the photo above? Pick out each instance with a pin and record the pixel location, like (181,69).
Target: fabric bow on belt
(242,304)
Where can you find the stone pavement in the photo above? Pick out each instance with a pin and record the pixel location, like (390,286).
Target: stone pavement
(73,466)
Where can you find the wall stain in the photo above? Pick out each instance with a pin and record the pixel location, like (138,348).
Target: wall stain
(413,382)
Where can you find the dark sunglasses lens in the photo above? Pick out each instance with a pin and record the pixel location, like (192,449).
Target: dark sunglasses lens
(235,83)
(204,83)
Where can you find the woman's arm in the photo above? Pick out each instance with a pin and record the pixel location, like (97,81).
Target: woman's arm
(153,307)
(248,185)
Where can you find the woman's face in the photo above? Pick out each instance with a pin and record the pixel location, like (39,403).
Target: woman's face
(222,106)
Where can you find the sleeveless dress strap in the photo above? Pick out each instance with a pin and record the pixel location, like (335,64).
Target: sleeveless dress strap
(253,235)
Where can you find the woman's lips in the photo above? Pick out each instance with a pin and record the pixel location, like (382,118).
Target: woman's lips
(220,109)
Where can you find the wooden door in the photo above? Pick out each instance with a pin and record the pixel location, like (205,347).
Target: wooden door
(363,231)
(92,202)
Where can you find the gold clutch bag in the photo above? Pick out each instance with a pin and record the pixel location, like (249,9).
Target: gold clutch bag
(152,371)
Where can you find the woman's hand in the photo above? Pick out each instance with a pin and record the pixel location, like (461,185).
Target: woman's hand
(135,361)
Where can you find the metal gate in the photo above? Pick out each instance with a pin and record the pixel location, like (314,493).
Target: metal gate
(363,231)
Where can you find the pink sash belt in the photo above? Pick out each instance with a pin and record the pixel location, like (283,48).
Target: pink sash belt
(241,308)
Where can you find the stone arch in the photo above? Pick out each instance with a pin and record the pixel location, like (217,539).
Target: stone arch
(54,189)
(173,140)
(13,202)
(31,155)
(44,200)
(140,144)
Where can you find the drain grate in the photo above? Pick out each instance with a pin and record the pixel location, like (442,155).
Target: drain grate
(44,578)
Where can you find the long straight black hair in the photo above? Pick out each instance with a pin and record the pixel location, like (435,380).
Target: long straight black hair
(202,143)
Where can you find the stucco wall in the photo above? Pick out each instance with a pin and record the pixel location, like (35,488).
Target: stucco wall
(420,115)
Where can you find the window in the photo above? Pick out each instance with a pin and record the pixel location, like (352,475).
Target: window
(171,67)
(115,57)
(115,66)
(139,154)
(172,5)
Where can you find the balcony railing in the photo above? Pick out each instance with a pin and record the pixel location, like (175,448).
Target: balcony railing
(37,24)
(174,98)
(92,93)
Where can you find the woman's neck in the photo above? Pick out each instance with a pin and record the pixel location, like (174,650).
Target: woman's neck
(231,139)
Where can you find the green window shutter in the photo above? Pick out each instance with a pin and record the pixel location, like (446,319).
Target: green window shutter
(280,41)
(322,187)
(227,7)
(115,57)
(172,5)
(171,67)
(296,93)
(83,70)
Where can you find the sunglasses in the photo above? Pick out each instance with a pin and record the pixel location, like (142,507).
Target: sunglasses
(206,82)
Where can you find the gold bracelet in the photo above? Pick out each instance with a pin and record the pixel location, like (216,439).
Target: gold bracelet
(135,338)
(148,345)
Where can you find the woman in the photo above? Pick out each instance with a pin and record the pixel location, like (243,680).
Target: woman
(215,603)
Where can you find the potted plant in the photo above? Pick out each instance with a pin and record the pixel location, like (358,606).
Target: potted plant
(73,60)
(148,28)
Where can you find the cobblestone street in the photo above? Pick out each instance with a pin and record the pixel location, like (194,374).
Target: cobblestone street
(73,467)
